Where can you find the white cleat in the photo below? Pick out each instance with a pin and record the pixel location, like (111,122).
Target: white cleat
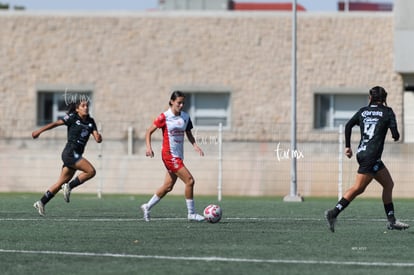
(397,225)
(146,212)
(66,192)
(40,207)
(196,217)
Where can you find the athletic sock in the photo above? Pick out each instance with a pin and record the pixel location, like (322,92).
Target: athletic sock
(389,211)
(340,206)
(153,201)
(73,183)
(47,197)
(190,206)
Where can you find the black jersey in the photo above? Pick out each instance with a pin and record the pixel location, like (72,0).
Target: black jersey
(78,131)
(374,121)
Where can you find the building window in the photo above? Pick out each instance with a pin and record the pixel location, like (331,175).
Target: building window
(53,104)
(332,110)
(408,115)
(208,109)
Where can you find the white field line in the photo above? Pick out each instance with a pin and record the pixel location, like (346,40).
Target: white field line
(207,259)
(139,218)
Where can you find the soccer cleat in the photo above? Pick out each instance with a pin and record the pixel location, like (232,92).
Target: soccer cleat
(146,212)
(330,219)
(66,192)
(195,217)
(397,225)
(40,207)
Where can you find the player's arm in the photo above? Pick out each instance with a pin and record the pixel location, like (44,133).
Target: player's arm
(192,140)
(348,132)
(97,136)
(393,127)
(395,134)
(348,152)
(149,152)
(36,133)
(95,133)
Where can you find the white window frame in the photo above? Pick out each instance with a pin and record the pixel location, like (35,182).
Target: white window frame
(359,96)
(199,113)
(408,111)
(58,94)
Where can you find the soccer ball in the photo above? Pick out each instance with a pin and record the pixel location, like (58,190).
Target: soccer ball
(212,213)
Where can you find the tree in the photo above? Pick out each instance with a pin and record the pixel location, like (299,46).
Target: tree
(6,6)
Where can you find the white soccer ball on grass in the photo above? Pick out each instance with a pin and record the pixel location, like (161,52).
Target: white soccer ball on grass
(212,213)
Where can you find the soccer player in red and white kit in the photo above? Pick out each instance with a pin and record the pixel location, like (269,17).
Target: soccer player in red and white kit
(174,124)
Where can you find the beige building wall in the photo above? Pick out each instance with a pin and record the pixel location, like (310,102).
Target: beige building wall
(132,61)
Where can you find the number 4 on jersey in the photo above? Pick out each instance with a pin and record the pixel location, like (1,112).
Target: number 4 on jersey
(369,129)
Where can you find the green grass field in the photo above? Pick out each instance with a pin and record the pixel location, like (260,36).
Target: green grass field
(256,236)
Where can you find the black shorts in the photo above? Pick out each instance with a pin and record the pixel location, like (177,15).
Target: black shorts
(369,167)
(70,156)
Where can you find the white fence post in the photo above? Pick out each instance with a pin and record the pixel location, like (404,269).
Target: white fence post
(130,141)
(340,161)
(100,168)
(220,162)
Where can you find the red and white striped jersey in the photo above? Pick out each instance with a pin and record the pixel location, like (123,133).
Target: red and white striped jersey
(173,129)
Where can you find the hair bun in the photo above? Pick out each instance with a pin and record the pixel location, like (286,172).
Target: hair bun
(378,94)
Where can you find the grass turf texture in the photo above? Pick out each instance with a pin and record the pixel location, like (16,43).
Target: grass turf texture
(255,236)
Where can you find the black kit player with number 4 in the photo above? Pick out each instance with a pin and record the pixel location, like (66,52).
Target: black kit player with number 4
(374,121)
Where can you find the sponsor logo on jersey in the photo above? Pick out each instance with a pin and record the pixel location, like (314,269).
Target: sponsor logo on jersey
(371,113)
(371,120)
(84,133)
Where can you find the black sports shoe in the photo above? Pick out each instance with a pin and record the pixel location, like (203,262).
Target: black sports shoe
(330,219)
(397,225)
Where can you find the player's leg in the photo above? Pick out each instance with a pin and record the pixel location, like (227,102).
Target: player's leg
(383,176)
(184,174)
(87,172)
(361,183)
(167,186)
(188,180)
(359,186)
(65,175)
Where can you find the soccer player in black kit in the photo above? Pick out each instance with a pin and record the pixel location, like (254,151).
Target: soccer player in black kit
(80,127)
(374,121)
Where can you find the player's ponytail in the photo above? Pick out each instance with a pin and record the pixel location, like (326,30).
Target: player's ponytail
(378,95)
(71,108)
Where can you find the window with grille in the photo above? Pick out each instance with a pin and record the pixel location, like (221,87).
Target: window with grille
(53,104)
